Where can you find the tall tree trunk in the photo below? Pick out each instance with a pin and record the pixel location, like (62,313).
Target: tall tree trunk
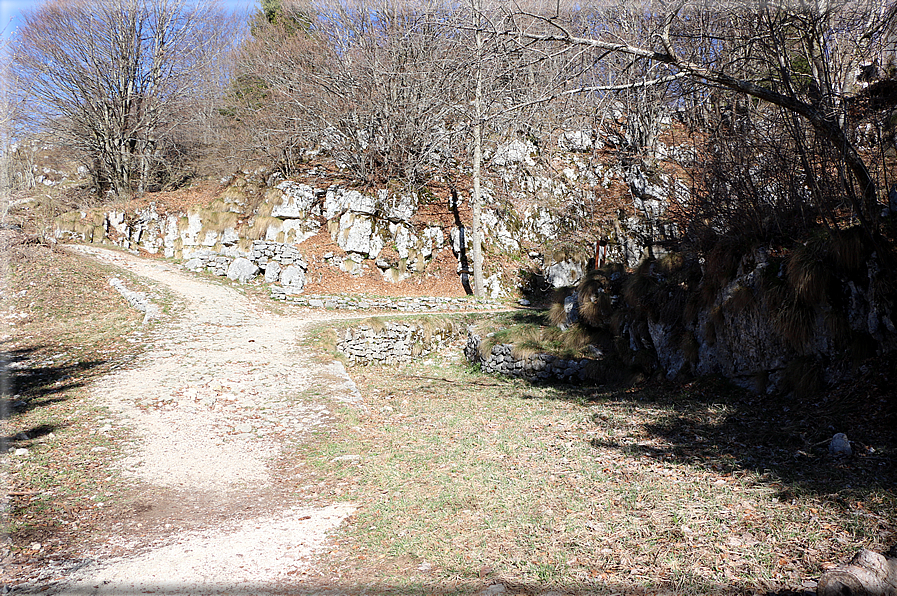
(476,200)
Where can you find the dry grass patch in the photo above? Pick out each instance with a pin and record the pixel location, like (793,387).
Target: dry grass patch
(465,480)
(63,325)
(533,332)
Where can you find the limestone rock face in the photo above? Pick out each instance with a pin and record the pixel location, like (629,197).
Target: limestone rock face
(299,201)
(406,241)
(579,141)
(356,234)
(291,231)
(272,272)
(229,237)
(564,273)
(516,152)
(339,200)
(293,279)
(242,270)
(400,207)
(496,231)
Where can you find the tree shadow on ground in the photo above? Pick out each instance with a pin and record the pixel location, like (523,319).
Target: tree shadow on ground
(26,437)
(31,380)
(713,424)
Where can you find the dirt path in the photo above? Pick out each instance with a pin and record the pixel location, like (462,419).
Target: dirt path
(214,401)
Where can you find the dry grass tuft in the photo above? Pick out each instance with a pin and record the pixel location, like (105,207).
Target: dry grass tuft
(260,227)
(556,314)
(804,377)
(690,347)
(808,273)
(595,309)
(437,325)
(218,221)
(375,323)
(796,323)
(839,328)
(593,294)
(670,264)
(530,341)
(721,265)
(640,290)
(741,299)
(850,249)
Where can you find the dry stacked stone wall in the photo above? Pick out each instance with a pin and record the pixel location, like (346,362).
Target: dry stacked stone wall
(535,367)
(393,342)
(411,304)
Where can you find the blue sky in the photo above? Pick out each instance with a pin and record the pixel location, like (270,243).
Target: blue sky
(11,9)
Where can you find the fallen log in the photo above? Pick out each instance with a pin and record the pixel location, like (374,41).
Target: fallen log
(867,574)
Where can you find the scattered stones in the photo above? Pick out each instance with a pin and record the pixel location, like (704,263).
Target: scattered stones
(242,270)
(280,263)
(347,458)
(209,261)
(138,300)
(571,311)
(840,446)
(292,279)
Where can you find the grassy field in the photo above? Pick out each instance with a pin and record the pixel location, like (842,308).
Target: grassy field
(467,480)
(63,326)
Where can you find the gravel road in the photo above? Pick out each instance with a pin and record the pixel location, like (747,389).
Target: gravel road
(221,392)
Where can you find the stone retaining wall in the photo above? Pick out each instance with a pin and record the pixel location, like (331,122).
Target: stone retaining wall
(394,342)
(536,367)
(418,304)
(278,262)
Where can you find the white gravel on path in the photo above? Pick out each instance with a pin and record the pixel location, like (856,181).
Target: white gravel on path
(205,402)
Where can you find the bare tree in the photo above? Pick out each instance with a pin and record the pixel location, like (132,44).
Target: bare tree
(118,81)
(799,57)
(368,82)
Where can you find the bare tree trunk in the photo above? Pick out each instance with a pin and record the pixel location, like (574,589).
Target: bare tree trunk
(476,200)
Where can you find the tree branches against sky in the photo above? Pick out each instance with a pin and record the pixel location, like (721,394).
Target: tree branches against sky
(11,11)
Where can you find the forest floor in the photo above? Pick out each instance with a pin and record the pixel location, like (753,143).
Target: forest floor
(222,449)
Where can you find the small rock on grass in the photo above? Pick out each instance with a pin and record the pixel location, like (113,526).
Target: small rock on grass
(840,445)
(349,458)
